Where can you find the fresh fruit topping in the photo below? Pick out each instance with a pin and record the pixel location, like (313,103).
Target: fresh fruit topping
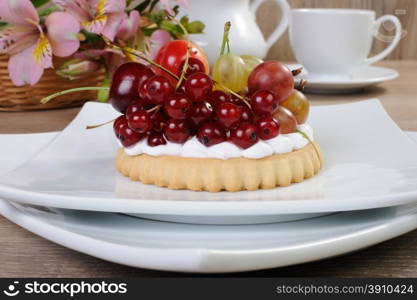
(201,111)
(299,105)
(211,133)
(217,97)
(287,121)
(244,135)
(158,88)
(228,114)
(247,115)
(129,137)
(251,62)
(194,66)
(173,53)
(177,106)
(177,131)
(263,103)
(156,139)
(158,121)
(198,86)
(133,107)
(118,124)
(268,128)
(272,76)
(140,121)
(125,84)
(143,90)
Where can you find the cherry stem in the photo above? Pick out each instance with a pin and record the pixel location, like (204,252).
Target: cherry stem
(138,54)
(301,85)
(99,125)
(295,72)
(308,139)
(225,41)
(233,93)
(85,88)
(154,108)
(184,68)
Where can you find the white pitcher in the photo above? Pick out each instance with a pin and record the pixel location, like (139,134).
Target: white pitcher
(245,35)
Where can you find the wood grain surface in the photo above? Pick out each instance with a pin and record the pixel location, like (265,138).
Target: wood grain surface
(25,254)
(405,10)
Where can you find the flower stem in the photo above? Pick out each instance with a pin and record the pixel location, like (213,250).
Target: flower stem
(85,88)
(225,41)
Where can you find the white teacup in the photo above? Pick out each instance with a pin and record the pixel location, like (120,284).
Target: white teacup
(331,42)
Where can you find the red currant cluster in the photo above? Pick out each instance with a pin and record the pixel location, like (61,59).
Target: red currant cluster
(154,109)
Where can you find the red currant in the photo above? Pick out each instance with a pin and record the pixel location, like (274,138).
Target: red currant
(177,106)
(217,97)
(158,121)
(268,128)
(198,86)
(228,114)
(158,88)
(129,137)
(201,111)
(156,139)
(263,103)
(133,107)
(118,124)
(194,66)
(244,135)
(177,131)
(247,115)
(211,133)
(236,100)
(140,121)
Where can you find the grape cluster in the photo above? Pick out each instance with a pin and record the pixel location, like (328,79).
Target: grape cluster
(154,109)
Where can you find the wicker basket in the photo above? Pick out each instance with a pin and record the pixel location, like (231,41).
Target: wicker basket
(14,98)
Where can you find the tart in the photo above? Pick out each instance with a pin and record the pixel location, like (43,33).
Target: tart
(243,128)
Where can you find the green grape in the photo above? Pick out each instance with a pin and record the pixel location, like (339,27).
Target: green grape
(230,71)
(251,62)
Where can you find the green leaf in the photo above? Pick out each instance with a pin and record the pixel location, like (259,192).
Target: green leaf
(38,3)
(142,6)
(195,27)
(47,11)
(3,25)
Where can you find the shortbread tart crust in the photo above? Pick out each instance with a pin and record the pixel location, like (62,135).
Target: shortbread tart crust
(214,175)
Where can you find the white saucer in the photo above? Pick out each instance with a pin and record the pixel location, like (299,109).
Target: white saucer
(360,78)
(212,248)
(369,163)
(200,248)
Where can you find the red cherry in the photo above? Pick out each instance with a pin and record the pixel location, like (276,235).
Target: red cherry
(118,124)
(140,121)
(228,114)
(156,139)
(268,127)
(217,97)
(211,133)
(129,137)
(158,89)
(263,103)
(194,66)
(125,84)
(244,135)
(177,106)
(201,111)
(134,107)
(158,121)
(177,131)
(198,86)
(247,115)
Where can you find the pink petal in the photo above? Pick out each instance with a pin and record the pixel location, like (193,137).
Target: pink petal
(62,33)
(108,6)
(167,6)
(183,3)
(23,69)
(158,39)
(112,25)
(14,39)
(129,25)
(78,8)
(18,11)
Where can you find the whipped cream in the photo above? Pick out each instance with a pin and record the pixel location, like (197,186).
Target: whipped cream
(283,143)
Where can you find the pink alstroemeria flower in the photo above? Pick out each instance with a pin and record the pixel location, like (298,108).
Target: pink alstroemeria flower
(129,26)
(97,16)
(31,45)
(166,5)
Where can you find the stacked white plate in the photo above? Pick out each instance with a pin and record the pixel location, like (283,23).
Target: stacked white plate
(63,186)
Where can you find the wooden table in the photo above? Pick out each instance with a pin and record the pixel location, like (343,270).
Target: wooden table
(25,254)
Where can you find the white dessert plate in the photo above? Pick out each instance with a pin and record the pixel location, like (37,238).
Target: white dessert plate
(361,77)
(202,248)
(212,248)
(369,163)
